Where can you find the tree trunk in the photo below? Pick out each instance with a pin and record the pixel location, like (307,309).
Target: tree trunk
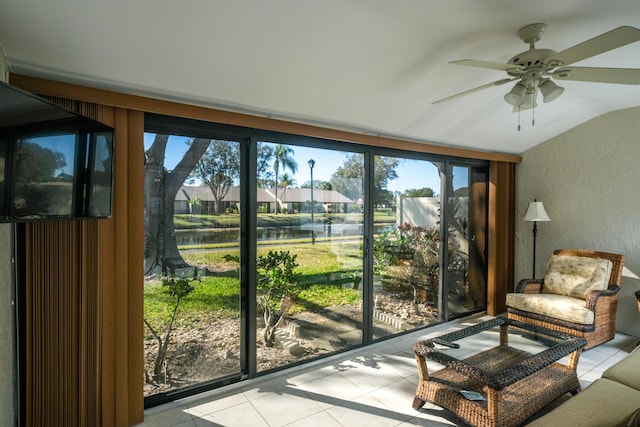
(272,321)
(160,190)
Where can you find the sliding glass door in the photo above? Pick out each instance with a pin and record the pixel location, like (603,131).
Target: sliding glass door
(466,242)
(309,238)
(192,261)
(265,250)
(406,244)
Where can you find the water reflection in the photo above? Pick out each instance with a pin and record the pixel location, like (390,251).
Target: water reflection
(225,235)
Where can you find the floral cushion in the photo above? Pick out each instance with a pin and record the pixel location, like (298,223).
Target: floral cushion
(557,306)
(576,276)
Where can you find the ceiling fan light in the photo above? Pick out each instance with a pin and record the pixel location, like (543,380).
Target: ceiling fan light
(516,95)
(550,90)
(528,102)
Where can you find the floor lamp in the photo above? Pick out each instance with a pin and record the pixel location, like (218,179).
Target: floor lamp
(535,213)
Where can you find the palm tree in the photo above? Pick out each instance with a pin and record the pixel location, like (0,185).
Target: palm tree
(282,156)
(286,181)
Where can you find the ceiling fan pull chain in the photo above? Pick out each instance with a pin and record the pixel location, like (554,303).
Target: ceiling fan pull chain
(533,115)
(519,119)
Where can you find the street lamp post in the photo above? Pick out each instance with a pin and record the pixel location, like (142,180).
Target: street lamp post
(311,164)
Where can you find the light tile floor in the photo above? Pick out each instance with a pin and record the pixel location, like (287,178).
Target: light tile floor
(372,386)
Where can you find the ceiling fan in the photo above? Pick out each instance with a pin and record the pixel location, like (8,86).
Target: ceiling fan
(534,68)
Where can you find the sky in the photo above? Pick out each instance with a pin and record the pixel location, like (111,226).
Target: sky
(64,144)
(411,173)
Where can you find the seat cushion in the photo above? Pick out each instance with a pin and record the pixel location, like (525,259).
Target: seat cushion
(633,420)
(557,306)
(603,403)
(626,371)
(576,276)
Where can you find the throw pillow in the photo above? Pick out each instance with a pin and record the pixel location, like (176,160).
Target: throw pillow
(576,276)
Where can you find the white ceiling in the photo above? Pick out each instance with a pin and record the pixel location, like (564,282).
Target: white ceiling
(369,66)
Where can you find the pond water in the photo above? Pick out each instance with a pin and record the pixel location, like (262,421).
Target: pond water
(226,235)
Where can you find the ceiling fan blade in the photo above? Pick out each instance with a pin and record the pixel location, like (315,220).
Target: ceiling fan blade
(487,64)
(613,39)
(624,76)
(476,89)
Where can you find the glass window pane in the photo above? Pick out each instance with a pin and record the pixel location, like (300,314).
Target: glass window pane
(192,230)
(310,279)
(44,176)
(101,175)
(407,259)
(466,271)
(310,216)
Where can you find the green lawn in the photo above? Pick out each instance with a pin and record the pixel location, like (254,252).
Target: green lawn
(211,297)
(214,296)
(321,258)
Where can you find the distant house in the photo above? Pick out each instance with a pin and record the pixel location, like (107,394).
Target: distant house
(199,199)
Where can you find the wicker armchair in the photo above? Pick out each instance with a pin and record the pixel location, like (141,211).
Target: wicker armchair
(598,310)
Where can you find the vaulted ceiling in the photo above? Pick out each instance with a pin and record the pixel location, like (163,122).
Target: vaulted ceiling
(369,66)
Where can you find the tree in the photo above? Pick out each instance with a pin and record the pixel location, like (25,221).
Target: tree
(282,157)
(419,192)
(286,181)
(276,287)
(177,287)
(317,185)
(348,179)
(161,187)
(461,192)
(219,168)
(35,163)
(263,171)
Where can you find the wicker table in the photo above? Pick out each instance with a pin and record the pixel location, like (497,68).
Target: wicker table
(513,367)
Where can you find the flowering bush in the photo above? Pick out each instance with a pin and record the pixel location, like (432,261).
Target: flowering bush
(408,257)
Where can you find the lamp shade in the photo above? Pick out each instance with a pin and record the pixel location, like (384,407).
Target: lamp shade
(529,101)
(536,212)
(516,95)
(550,90)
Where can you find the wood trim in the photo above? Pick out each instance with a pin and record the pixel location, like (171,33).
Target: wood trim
(135,270)
(171,108)
(121,273)
(500,272)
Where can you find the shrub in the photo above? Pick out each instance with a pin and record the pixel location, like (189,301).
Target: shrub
(179,288)
(276,286)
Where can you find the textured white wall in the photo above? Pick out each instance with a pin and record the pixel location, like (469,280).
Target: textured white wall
(589,180)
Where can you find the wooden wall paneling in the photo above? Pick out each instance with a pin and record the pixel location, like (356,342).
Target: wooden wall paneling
(90,312)
(121,274)
(500,272)
(53,323)
(121,282)
(135,270)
